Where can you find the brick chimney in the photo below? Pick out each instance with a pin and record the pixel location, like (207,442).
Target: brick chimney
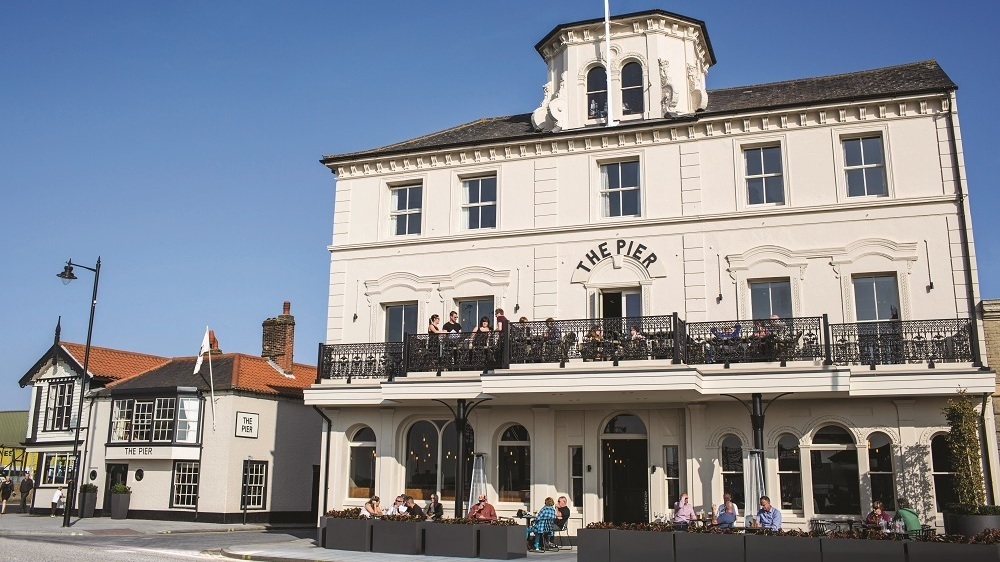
(279,338)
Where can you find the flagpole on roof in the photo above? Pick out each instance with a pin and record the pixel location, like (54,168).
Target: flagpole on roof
(206,347)
(610,120)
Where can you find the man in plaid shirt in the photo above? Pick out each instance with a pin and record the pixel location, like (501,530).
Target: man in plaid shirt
(542,525)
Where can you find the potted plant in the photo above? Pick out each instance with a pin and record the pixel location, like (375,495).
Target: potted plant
(347,530)
(969,516)
(451,537)
(88,500)
(120,496)
(708,543)
(502,540)
(593,543)
(764,545)
(860,546)
(982,547)
(397,534)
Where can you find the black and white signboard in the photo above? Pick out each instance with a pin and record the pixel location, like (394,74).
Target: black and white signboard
(246,424)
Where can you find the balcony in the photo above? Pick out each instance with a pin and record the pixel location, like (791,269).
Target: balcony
(651,338)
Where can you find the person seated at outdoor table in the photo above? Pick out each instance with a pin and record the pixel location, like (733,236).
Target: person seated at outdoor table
(396,508)
(592,344)
(412,509)
(768,516)
(480,337)
(552,333)
(522,327)
(434,509)
(372,508)
(541,527)
(452,326)
(683,513)
(635,334)
(432,325)
(727,513)
(482,510)
(906,520)
(878,517)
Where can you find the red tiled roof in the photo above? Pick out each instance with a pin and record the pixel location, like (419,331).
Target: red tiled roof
(257,374)
(115,364)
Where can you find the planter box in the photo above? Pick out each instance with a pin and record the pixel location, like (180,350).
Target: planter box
(321,532)
(698,547)
(760,548)
(348,534)
(444,539)
(936,551)
(119,505)
(398,537)
(88,503)
(969,525)
(644,545)
(593,545)
(859,550)
(501,542)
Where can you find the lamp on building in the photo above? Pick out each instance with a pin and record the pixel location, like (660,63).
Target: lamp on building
(67,276)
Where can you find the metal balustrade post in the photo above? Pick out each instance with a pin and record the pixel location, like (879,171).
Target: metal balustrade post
(319,364)
(827,347)
(676,327)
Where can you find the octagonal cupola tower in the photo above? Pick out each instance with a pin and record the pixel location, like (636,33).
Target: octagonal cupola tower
(659,61)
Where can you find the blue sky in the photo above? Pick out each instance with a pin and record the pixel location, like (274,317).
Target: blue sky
(180,140)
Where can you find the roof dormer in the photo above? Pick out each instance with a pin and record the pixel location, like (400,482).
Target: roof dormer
(659,61)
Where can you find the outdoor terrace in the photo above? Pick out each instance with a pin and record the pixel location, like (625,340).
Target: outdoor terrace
(649,338)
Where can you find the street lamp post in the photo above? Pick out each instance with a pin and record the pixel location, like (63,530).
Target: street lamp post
(67,276)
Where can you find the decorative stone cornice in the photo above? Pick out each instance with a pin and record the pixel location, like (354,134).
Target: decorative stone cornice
(597,140)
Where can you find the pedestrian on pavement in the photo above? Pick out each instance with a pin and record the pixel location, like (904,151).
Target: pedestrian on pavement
(56,499)
(27,486)
(6,489)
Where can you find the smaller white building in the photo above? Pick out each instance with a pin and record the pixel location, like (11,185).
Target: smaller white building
(149,422)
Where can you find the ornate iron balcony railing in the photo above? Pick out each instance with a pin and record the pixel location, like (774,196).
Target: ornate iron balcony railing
(750,341)
(360,361)
(895,342)
(600,339)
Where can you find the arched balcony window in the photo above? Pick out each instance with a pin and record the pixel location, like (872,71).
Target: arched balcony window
(597,93)
(514,465)
(731,458)
(834,464)
(361,474)
(790,472)
(880,470)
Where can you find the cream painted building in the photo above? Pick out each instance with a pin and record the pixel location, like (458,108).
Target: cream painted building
(808,241)
(149,422)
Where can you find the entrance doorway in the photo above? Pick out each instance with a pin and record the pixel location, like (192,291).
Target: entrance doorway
(116,474)
(625,470)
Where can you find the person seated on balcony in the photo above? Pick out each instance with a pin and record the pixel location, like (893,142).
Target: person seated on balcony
(372,508)
(433,325)
(414,510)
(768,516)
(552,332)
(726,513)
(592,344)
(906,520)
(480,336)
(635,334)
(434,509)
(452,326)
(541,527)
(482,510)
(878,517)
(683,512)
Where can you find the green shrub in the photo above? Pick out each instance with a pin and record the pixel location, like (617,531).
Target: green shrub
(120,488)
(88,488)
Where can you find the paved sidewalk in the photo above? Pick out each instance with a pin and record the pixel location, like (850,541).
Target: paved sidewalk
(306,550)
(20,524)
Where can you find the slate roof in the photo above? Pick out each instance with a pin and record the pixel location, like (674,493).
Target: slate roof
(230,371)
(906,79)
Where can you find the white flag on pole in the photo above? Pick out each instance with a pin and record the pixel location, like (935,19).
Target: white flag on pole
(206,346)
